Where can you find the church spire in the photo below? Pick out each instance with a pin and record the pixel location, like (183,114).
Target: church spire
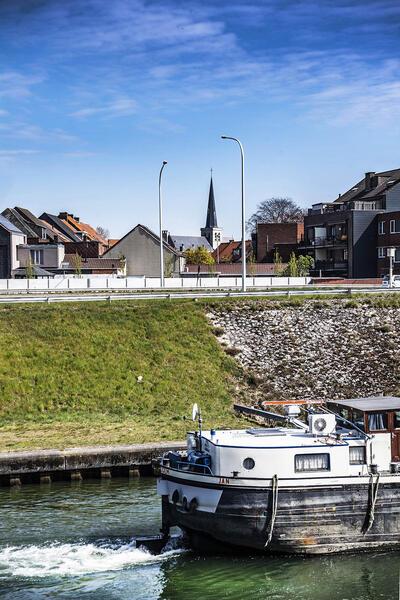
(211,210)
(211,231)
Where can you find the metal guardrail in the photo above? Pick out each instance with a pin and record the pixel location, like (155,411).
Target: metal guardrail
(99,297)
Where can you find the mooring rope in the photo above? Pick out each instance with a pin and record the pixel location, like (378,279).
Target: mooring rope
(372,497)
(274,500)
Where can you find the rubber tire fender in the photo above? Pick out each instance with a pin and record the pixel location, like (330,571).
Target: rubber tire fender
(193,505)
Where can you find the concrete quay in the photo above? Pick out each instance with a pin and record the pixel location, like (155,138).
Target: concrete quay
(44,466)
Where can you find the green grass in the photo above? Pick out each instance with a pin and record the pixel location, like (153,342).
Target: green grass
(68,373)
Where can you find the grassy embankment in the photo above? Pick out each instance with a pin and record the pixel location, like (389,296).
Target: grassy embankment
(69,373)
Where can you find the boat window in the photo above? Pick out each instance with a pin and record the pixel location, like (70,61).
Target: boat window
(377,421)
(311,462)
(396,419)
(357,455)
(358,418)
(249,464)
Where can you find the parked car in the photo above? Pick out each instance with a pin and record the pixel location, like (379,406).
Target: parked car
(396,281)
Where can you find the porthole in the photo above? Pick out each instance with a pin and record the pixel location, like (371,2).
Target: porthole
(249,464)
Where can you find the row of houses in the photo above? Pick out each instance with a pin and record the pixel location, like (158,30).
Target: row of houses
(347,238)
(52,245)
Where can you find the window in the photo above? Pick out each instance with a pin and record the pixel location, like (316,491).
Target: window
(381,227)
(377,421)
(395,226)
(396,419)
(249,463)
(306,463)
(37,257)
(381,252)
(397,255)
(357,455)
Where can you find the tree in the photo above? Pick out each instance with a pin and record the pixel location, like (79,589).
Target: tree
(299,266)
(277,263)
(251,260)
(199,256)
(292,269)
(29,270)
(276,210)
(77,264)
(103,232)
(304,264)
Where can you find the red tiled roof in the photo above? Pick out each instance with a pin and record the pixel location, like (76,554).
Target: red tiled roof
(225,251)
(85,228)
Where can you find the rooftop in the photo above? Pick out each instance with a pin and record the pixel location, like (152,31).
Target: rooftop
(6,224)
(372,403)
(185,242)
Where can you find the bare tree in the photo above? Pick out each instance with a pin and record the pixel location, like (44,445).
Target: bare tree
(103,232)
(276,210)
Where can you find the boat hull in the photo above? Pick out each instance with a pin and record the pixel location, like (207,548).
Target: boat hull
(309,520)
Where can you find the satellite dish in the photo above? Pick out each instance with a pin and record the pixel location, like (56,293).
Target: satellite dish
(195,411)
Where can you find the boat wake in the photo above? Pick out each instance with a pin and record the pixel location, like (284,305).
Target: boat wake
(75,559)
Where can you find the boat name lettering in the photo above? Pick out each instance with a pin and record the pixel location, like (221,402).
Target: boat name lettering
(224,480)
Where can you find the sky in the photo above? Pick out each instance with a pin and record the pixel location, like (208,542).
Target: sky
(95,94)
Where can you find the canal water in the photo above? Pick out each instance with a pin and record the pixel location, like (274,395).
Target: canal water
(77,541)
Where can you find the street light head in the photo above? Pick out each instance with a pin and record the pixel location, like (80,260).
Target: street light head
(224,137)
(164,162)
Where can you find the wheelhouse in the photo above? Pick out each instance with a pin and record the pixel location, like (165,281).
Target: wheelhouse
(375,415)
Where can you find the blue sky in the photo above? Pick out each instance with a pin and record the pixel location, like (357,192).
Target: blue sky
(94,94)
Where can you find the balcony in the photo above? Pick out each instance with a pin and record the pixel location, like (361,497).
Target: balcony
(330,265)
(326,241)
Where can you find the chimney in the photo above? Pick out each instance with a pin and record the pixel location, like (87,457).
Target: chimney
(369,183)
(165,235)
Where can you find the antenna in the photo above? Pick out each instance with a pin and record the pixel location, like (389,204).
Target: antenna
(196,413)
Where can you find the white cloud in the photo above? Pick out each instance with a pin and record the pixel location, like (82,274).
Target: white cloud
(119,107)
(14,85)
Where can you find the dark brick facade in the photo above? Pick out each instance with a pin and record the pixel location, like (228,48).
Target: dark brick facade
(269,235)
(388,236)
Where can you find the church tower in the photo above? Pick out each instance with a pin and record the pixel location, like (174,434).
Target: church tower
(211,231)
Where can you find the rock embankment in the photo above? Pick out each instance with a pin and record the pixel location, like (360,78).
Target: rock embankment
(311,351)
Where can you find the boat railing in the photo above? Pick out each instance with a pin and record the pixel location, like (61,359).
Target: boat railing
(182,465)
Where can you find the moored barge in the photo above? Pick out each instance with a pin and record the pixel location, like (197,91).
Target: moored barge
(329,484)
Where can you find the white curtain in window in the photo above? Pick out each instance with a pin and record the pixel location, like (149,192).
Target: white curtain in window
(357,455)
(376,421)
(312,462)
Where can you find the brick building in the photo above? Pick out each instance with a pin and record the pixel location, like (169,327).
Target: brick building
(284,237)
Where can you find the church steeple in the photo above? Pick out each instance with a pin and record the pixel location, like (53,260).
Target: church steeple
(211,220)
(211,231)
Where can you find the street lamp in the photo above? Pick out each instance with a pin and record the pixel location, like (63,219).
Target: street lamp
(391,254)
(161,226)
(226,137)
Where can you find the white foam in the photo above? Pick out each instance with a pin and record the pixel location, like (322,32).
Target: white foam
(73,559)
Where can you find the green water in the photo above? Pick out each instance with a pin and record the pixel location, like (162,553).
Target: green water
(75,541)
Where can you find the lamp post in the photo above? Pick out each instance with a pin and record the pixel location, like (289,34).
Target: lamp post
(226,137)
(161,226)
(390,253)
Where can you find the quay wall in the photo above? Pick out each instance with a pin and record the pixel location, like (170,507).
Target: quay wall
(79,463)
